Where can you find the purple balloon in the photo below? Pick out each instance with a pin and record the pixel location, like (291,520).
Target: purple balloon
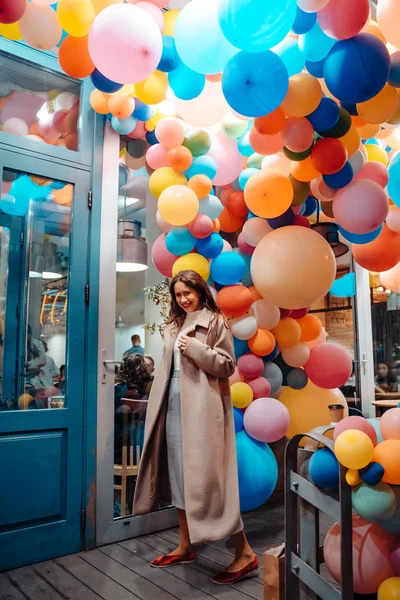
(266,420)
(283,220)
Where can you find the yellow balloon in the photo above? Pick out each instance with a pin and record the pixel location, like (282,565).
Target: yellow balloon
(389,589)
(193,262)
(178,205)
(163,178)
(352,477)
(153,89)
(242,395)
(76,16)
(126,90)
(11,32)
(170,18)
(354,449)
(381,107)
(24,400)
(100,5)
(376,153)
(308,408)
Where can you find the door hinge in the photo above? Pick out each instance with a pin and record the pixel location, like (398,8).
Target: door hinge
(87,293)
(90,199)
(21,239)
(83,519)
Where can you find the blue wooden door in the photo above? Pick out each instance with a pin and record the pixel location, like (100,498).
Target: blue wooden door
(43,319)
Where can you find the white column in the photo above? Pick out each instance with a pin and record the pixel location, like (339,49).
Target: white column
(365,346)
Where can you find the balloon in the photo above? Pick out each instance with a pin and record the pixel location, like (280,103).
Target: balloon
(228,222)
(299,253)
(163,178)
(312,5)
(262,343)
(134,45)
(287,333)
(162,259)
(298,134)
(296,355)
(242,395)
(210,206)
(325,116)
(329,366)
(153,89)
(250,366)
(268,194)
(75,16)
(207,35)
(261,387)
(256,26)
(377,172)
(192,262)
(244,246)
(342,21)
(257,471)
(292,57)
(356,70)
(315,44)
(328,156)
(232,126)
(372,474)
(387,454)
(236,204)
(238,418)
(389,589)
(39,26)
(227,268)
(121,106)
(266,314)
(227,158)
(156,156)
(303,95)
(154,12)
(387,15)
(265,144)
(185,83)
(390,424)
(274,376)
(102,83)
(12,11)
(123,126)
(179,158)
(11,31)
(381,107)
(269,83)
(390,279)
(180,241)
(16,126)
(210,246)
(201,185)
(354,449)
(395,559)
(376,153)
(381,254)
(98,5)
(206,109)
(198,142)
(266,420)
(324,469)
(372,547)
(254,230)
(297,379)
(355,422)
(235,300)
(304,21)
(271,123)
(178,205)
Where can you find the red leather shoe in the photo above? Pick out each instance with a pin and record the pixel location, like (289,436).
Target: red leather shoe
(168,560)
(226,578)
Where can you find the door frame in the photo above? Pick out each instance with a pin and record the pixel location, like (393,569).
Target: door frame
(364,341)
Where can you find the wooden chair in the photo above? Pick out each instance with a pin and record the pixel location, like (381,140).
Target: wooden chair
(131,451)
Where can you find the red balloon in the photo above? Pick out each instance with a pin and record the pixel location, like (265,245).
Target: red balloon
(329,366)
(301,221)
(328,156)
(11,10)
(299,313)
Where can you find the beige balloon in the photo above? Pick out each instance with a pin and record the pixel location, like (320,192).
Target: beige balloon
(39,26)
(205,110)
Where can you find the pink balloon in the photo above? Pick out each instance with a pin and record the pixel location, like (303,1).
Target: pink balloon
(22,105)
(156,156)
(201,227)
(261,387)
(158,3)
(374,171)
(342,19)
(244,246)
(227,157)
(321,191)
(139,133)
(250,366)
(125,43)
(390,424)
(321,339)
(162,259)
(266,420)
(225,193)
(154,12)
(393,219)
(236,377)
(361,207)
(297,209)
(329,366)
(163,225)
(358,423)
(298,134)
(170,132)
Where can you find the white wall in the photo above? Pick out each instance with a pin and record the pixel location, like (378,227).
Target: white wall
(56,344)
(123,339)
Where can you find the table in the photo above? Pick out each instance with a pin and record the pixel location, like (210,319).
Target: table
(390,402)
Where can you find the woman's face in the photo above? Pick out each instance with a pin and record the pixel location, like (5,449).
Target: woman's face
(383,370)
(187,298)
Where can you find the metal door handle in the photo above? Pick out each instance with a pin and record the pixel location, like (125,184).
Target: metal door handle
(364,362)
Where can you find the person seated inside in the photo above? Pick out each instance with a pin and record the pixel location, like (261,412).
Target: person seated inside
(137,347)
(385,380)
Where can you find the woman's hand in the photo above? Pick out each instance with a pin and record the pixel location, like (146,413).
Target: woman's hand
(183,342)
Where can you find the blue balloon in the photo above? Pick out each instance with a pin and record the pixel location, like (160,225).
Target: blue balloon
(315,44)
(180,241)
(244,146)
(274,375)
(21,192)
(283,220)
(241,347)
(103,84)
(228,268)
(245,176)
(304,21)
(257,471)
(316,67)
(394,74)
(185,83)
(270,357)
(202,165)
(357,69)
(341,178)
(142,112)
(169,57)
(372,141)
(255,84)
(311,206)
(360,238)
(257,25)
(351,108)
(325,116)
(292,57)
(297,379)
(210,246)
(246,279)
(238,418)
(123,126)
(57,185)
(324,469)
(151,138)
(372,474)
(211,206)
(199,40)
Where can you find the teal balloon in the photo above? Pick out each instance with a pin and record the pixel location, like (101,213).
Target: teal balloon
(238,418)
(185,83)
(297,379)
(22,191)
(376,424)
(180,241)
(244,145)
(393,186)
(315,44)
(256,25)
(211,206)
(169,58)
(374,504)
(392,524)
(246,279)
(292,57)
(202,165)
(257,471)
(123,126)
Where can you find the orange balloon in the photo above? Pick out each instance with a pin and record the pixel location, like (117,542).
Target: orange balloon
(34,129)
(71,141)
(236,204)
(368,131)
(99,102)
(381,254)
(287,333)
(216,77)
(201,185)
(351,141)
(304,170)
(303,96)
(272,123)
(234,300)
(357,121)
(310,327)
(74,57)
(373,28)
(216,226)
(64,196)
(262,343)
(387,454)
(121,106)
(179,158)
(255,295)
(265,144)
(381,107)
(268,194)
(229,223)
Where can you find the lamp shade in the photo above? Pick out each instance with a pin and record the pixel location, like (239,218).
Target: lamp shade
(131,248)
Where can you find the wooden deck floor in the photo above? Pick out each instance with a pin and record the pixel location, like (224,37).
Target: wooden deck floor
(122,572)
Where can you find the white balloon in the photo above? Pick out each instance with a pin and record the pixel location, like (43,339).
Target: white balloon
(244,328)
(266,314)
(297,355)
(205,110)
(255,229)
(16,126)
(227,247)
(65,101)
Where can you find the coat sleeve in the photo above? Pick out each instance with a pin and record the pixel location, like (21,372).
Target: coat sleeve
(218,361)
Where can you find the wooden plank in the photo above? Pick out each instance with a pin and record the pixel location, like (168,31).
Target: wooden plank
(64,581)
(32,585)
(8,591)
(143,588)
(98,582)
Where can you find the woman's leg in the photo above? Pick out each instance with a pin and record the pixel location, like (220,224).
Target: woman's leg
(244,555)
(185,546)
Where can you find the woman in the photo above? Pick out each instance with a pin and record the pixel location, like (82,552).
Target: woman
(189,454)
(385,380)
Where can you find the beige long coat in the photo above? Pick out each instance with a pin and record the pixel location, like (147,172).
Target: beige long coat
(208,434)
